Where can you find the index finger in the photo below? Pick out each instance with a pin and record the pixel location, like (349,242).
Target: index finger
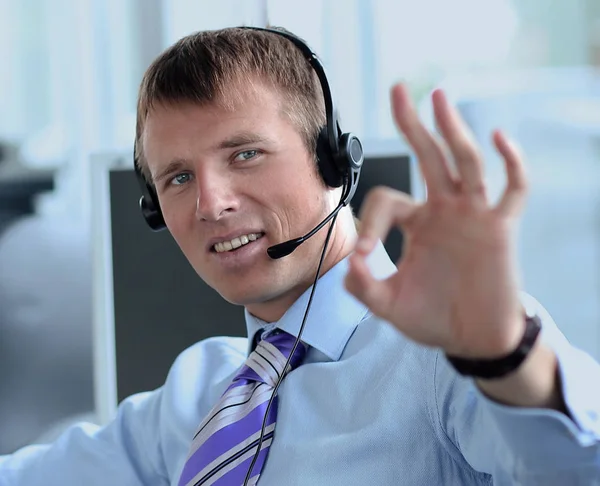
(432,160)
(382,209)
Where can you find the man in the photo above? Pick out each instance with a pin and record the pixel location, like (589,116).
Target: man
(227,124)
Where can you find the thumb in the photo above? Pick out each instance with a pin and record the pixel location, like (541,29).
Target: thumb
(382,209)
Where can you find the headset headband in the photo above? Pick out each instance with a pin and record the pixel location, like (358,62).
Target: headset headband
(339,161)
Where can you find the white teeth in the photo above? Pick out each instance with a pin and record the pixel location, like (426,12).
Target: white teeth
(236,242)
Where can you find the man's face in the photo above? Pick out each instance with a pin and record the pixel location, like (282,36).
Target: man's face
(227,178)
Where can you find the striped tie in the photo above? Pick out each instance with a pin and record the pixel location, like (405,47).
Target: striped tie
(228,437)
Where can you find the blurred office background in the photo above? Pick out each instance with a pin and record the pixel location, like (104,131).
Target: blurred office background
(68,82)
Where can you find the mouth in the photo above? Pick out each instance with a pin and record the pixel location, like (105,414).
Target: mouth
(235,243)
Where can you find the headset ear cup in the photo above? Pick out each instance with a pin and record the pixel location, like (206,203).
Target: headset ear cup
(351,151)
(150,207)
(153,217)
(328,168)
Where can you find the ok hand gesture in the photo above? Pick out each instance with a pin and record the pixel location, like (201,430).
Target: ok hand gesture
(456,287)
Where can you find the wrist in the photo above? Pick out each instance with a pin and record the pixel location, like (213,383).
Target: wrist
(535,384)
(497,368)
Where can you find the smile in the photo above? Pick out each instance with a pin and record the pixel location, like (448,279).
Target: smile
(236,243)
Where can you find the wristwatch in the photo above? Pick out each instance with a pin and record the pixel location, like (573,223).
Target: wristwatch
(500,367)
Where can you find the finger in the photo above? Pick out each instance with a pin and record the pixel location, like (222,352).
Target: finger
(382,209)
(513,198)
(432,162)
(457,135)
(359,281)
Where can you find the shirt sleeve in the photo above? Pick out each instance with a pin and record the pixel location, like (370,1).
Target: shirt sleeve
(524,445)
(126,451)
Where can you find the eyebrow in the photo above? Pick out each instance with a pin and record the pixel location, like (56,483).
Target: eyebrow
(171,169)
(242,138)
(237,140)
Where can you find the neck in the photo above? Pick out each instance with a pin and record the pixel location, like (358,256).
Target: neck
(340,246)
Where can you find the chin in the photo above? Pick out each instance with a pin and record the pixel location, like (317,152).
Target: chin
(249,295)
(250,291)
(244,297)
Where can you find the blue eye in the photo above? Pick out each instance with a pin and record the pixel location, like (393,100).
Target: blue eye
(246,155)
(180,179)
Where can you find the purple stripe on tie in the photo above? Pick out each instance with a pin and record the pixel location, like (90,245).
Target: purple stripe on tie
(226,438)
(246,373)
(284,343)
(236,384)
(238,474)
(233,402)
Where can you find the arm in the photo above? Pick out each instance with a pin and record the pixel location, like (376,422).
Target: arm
(533,445)
(456,289)
(126,451)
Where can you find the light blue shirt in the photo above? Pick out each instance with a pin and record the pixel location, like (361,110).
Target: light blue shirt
(368,407)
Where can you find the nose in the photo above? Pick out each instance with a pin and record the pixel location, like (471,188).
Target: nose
(215,197)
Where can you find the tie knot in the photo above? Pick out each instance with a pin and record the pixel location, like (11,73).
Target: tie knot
(284,343)
(266,363)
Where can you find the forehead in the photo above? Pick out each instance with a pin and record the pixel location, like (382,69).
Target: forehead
(250,101)
(240,93)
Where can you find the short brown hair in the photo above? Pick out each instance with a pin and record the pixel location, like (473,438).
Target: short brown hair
(203,67)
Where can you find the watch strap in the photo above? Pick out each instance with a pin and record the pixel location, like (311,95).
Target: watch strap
(500,367)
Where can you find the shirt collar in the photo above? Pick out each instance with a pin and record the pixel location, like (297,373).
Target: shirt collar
(334,313)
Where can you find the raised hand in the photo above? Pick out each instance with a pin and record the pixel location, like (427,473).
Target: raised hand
(457,282)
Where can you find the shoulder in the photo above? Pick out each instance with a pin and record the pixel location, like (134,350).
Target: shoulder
(215,357)
(378,341)
(195,381)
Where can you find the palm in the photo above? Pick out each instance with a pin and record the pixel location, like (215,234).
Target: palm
(456,282)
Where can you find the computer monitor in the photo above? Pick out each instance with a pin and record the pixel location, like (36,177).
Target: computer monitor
(150,305)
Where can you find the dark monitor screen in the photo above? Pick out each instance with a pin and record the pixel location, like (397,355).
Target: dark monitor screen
(161,306)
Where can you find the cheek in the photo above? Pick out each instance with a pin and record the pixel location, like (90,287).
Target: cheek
(179,214)
(303,202)
(297,179)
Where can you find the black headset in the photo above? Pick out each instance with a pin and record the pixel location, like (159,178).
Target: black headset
(339,155)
